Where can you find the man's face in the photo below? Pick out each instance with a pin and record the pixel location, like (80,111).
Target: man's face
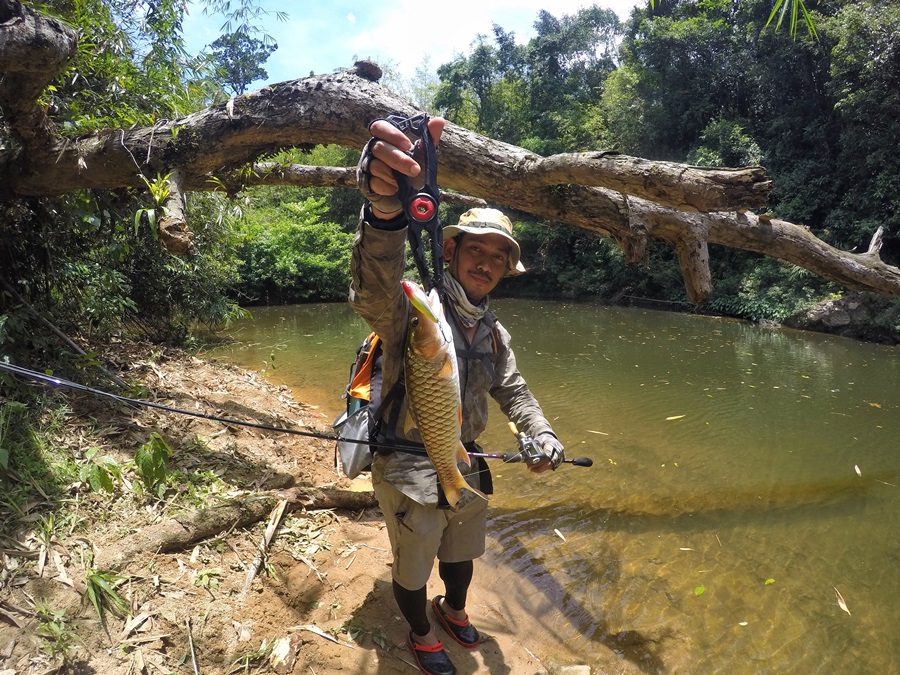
(478,262)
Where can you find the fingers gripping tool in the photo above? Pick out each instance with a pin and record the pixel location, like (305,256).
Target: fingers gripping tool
(420,204)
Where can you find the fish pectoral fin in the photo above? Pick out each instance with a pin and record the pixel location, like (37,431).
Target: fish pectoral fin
(462,455)
(409,423)
(446,368)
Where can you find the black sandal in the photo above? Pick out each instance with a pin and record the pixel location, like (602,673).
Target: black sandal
(431,659)
(461,631)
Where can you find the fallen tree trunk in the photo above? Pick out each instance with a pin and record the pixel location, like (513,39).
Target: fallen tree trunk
(632,222)
(630,199)
(178,534)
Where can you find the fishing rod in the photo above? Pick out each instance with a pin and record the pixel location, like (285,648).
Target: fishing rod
(61,382)
(514,457)
(531,453)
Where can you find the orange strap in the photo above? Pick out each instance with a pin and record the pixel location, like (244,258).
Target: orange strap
(360,387)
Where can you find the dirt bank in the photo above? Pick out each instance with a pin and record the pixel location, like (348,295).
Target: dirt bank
(321,602)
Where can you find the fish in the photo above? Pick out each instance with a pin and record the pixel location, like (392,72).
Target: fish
(432,387)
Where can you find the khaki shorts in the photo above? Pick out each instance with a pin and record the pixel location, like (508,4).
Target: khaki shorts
(419,533)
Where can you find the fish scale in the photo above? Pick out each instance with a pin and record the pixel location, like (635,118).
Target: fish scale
(432,385)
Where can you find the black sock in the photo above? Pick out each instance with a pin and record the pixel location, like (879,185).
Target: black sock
(412,606)
(457,577)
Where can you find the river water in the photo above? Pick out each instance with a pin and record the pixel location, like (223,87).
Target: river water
(743,477)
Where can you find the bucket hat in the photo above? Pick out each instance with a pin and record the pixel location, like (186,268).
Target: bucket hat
(490,221)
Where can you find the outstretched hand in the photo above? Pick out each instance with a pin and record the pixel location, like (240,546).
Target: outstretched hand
(390,150)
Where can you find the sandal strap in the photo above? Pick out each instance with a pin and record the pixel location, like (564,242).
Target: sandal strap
(431,649)
(456,622)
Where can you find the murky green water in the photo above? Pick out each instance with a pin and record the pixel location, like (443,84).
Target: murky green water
(724,506)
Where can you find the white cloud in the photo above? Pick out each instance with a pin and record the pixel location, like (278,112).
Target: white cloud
(450,29)
(321,37)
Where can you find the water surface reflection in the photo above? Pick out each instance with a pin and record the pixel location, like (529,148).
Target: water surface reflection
(724,506)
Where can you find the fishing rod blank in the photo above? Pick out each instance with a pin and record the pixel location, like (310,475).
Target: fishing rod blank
(513,457)
(509,457)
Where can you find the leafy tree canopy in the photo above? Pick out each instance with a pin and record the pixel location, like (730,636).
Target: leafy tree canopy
(239,59)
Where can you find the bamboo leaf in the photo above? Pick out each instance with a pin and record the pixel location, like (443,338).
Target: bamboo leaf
(840,601)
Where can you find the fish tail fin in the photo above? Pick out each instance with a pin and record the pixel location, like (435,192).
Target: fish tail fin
(468,487)
(453,493)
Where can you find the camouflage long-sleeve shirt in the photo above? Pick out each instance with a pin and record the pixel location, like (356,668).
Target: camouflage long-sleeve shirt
(487,364)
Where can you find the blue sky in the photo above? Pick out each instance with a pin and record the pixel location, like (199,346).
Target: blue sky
(321,36)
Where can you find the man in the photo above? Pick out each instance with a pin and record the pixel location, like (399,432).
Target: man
(480,250)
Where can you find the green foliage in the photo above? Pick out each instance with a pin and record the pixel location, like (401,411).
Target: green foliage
(290,256)
(342,205)
(617,118)
(724,143)
(535,95)
(35,464)
(130,66)
(244,16)
(357,631)
(568,263)
(797,9)
(864,84)
(681,75)
(53,625)
(100,591)
(8,414)
(239,58)
(82,263)
(208,577)
(758,288)
(98,471)
(151,461)
(87,261)
(174,292)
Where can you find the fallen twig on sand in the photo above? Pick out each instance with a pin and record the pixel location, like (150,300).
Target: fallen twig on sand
(321,633)
(274,521)
(187,623)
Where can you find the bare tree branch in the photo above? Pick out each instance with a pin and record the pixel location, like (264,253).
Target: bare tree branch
(630,199)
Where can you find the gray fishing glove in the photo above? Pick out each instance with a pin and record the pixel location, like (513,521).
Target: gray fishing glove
(552,448)
(384,203)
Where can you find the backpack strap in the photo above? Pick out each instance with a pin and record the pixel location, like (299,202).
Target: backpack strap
(486,358)
(360,386)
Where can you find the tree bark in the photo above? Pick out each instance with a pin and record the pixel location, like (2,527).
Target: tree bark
(630,199)
(173,227)
(33,49)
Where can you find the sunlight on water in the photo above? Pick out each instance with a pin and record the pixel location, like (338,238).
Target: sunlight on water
(724,506)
